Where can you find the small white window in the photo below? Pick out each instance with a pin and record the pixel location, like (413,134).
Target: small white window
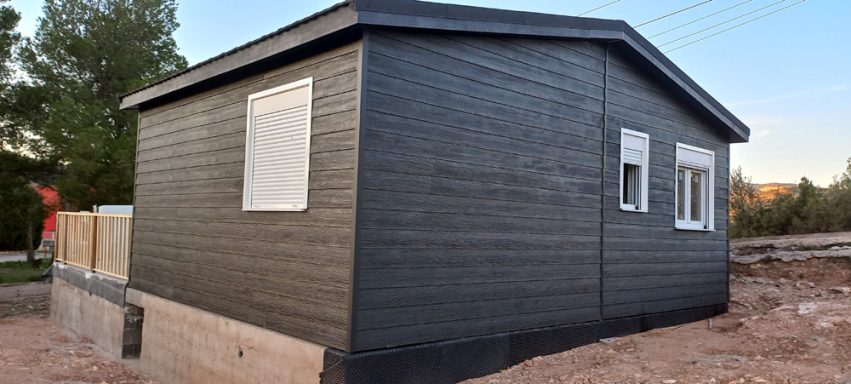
(695,188)
(277,148)
(634,170)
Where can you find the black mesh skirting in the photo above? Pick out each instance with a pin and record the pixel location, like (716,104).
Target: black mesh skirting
(455,360)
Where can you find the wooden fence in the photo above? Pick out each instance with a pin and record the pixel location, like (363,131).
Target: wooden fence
(98,242)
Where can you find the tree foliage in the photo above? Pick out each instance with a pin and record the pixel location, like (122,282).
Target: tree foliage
(84,55)
(22,210)
(9,39)
(808,209)
(744,205)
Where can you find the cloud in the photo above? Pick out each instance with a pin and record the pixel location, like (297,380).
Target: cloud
(794,95)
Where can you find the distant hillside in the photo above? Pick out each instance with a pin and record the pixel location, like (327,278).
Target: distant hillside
(769,191)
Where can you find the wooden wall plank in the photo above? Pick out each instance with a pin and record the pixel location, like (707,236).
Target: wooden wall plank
(481,166)
(286,271)
(479,199)
(648,265)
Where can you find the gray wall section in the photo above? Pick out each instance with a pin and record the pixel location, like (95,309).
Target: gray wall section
(648,266)
(481,191)
(483,201)
(192,243)
(480,187)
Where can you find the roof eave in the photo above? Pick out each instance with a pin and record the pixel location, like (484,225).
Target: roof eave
(322,24)
(739,131)
(446,18)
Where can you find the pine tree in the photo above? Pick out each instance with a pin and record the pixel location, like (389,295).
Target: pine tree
(84,55)
(9,39)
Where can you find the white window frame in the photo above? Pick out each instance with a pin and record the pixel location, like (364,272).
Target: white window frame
(707,197)
(249,145)
(644,178)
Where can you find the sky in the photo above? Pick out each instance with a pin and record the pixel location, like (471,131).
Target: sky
(787,75)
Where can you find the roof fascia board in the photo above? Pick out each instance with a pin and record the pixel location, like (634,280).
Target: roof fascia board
(326,24)
(672,72)
(441,17)
(618,31)
(470,13)
(384,19)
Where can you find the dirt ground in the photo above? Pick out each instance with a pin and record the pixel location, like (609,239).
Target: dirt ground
(34,350)
(789,322)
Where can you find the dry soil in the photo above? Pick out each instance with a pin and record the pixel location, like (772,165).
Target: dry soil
(35,350)
(789,322)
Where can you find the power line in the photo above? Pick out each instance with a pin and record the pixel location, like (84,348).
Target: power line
(699,19)
(673,13)
(598,8)
(734,27)
(720,24)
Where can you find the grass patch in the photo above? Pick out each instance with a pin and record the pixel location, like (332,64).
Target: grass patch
(20,272)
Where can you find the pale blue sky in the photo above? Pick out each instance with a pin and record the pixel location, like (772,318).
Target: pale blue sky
(788,76)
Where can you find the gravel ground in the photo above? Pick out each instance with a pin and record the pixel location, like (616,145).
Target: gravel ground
(34,350)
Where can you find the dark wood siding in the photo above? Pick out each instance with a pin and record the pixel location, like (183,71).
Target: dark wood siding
(486,196)
(648,266)
(285,271)
(479,187)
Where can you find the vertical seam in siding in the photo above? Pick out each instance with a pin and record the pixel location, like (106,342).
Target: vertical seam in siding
(135,186)
(354,262)
(727,230)
(603,172)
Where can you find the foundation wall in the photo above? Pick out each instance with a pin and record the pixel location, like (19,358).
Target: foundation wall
(183,345)
(88,315)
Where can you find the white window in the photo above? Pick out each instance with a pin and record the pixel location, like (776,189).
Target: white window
(277,148)
(634,170)
(695,188)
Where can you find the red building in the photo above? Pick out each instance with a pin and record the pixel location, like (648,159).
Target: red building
(51,200)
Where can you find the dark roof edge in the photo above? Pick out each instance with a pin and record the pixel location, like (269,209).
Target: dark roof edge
(645,48)
(269,44)
(440,17)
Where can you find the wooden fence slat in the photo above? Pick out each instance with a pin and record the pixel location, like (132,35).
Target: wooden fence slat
(98,242)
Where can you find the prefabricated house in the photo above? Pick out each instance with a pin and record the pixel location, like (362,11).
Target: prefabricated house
(401,191)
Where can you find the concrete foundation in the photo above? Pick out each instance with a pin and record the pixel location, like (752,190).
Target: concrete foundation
(183,345)
(88,315)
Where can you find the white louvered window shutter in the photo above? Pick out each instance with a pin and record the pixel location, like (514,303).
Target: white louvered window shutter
(277,148)
(634,168)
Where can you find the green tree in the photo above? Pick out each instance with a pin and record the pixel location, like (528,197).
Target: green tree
(9,39)
(811,213)
(85,53)
(22,210)
(744,206)
(806,209)
(838,198)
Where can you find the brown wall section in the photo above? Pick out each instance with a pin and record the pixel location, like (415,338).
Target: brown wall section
(285,271)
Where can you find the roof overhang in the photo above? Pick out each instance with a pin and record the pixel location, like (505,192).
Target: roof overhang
(410,14)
